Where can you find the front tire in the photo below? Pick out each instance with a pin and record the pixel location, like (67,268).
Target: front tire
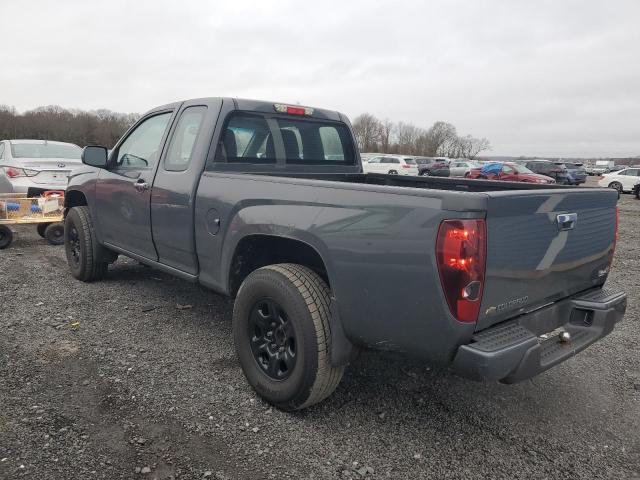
(282,336)
(81,247)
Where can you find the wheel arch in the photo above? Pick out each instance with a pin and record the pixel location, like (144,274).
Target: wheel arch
(257,250)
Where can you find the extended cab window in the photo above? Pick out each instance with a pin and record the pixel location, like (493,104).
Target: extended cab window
(141,148)
(256,138)
(184,139)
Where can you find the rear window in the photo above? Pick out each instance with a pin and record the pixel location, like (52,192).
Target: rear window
(270,139)
(45,150)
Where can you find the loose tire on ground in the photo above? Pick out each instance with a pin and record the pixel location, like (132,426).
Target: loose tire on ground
(303,298)
(81,247)
(54,233)
(41,228)
(6,237)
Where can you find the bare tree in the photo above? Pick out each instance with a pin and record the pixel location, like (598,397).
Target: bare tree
(387,127)
(407,135)
(366,129)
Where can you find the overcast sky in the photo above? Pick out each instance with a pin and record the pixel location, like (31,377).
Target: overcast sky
(556,78)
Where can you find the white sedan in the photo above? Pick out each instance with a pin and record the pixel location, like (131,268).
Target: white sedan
(623,180)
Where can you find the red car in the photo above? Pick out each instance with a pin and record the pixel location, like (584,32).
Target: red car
(509,172)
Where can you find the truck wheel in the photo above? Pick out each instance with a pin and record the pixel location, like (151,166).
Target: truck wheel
(6,237)
(617,186)
(282,336)
(83,252)
(54,233)
(41,227)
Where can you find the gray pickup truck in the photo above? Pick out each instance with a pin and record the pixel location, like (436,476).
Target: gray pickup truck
(267,203)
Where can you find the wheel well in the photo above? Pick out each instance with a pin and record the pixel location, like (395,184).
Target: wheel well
(74,198)
(255,251)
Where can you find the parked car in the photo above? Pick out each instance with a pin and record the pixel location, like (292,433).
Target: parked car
(623,181)
(508,172)
(391,164)
(36,166)
(462,168)
(548,169)
(432,166)
(364,157)
(602,166)
(321,260)
(576,173)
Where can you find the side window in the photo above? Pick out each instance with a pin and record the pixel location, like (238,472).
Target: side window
(246,139)
(331,143)
(1,151)
(507,169)
(623,172)
(141,148)
(634,172)
(184,138)
(374,160)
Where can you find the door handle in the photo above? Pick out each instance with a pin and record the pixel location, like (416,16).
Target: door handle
(141,186)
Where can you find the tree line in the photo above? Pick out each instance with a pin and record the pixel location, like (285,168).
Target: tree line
(440,140)
(95,127)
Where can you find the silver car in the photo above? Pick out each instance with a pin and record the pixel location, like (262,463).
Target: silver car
(34,166)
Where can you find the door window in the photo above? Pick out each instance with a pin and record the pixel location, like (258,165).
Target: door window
(141,148)
(633,172)
(507,170)
(184,139)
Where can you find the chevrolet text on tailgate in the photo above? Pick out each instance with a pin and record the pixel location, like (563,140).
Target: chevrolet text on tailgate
(267,203)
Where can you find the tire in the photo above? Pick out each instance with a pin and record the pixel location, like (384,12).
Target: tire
(6,237)
(41,227)
(54,233)
(467,175)
(298,299)
(482,177)
(393,172)
(81,247)
(616,186)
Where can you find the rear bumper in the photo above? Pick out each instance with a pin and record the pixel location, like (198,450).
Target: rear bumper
(519,349)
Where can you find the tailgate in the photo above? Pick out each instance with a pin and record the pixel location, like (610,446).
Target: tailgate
(543,246)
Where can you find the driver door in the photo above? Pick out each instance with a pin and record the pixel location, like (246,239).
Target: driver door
(123,190)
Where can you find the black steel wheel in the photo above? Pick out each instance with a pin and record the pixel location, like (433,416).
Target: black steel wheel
(54,233)
(6,236)
(273,339)
(282,335)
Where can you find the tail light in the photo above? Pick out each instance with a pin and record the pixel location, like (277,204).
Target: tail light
(407,166)
(461,252)
(19,172)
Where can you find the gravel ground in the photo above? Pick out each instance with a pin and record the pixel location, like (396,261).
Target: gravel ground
(135,377)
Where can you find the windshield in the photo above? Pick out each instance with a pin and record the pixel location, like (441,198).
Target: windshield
(522,169)
(45,150)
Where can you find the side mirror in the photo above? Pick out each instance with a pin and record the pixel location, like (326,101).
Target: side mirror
(94,156)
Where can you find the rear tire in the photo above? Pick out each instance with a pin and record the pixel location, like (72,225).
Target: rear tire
(41,227)
(82,250)
(393,172)
(616,186)
(277,307)
(54,233)
(6,237)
